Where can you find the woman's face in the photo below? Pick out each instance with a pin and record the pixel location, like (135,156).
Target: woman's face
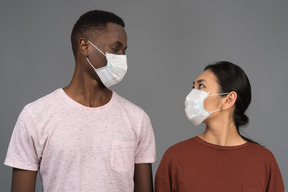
(207,82)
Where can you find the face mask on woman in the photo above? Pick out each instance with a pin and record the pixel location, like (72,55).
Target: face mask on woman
(194,106)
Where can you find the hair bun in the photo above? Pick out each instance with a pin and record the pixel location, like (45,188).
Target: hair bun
(243,120)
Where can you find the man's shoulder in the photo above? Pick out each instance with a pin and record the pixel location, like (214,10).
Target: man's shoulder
(128,105)
(44,102)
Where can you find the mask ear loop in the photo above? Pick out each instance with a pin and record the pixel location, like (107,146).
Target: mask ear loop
(216,110)
(96,47)
(217,95)
(90,64)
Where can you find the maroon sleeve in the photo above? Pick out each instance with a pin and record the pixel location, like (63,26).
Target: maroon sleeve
(275,182)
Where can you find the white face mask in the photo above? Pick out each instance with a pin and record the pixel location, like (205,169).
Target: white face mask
(194,106)
(115,69)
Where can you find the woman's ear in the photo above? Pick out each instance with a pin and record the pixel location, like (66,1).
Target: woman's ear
(229,100)
(83,47)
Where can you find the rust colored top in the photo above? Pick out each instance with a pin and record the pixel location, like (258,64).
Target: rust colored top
(197,166)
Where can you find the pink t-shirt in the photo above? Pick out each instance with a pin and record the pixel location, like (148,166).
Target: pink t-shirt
(78,148)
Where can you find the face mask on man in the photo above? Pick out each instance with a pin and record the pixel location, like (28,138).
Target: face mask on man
(194,106)
(115,69)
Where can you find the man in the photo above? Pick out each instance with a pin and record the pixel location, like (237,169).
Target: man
(86,137)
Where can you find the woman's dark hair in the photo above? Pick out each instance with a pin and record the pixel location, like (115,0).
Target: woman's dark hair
(231,77)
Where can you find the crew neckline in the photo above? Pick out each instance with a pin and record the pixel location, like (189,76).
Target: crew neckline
(197,138)
(83,107)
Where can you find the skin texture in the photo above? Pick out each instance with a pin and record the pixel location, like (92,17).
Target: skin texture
(87,89)
(143,178)
(23,181)
(220,126)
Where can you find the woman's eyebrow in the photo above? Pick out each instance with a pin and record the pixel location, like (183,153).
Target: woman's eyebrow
(200,81)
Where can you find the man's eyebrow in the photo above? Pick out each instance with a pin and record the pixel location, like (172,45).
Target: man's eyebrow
(120,44)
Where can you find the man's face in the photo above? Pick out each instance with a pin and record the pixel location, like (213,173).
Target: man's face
(112,40)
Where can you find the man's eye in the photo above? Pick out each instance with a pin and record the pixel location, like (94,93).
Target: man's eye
(114,49)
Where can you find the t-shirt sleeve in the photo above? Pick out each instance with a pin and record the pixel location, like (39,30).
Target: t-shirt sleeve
(275,182)
(163,174)
(22,152)
(146,148)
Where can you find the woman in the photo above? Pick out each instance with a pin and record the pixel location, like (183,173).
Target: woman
(220,159)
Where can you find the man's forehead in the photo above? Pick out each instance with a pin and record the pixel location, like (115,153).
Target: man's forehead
(110,27)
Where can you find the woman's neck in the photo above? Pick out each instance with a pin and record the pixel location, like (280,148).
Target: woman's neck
(223,133)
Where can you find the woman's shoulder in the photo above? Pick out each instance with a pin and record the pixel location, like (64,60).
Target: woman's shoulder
(180,147)
(259,148)
(260,151)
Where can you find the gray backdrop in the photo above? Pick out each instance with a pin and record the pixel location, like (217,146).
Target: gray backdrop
(169,43)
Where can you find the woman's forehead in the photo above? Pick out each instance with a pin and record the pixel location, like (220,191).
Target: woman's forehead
(207,76)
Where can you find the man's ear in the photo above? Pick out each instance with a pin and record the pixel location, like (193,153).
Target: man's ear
(229,100)
(84,47)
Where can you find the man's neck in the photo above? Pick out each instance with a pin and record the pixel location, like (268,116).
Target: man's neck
(87,91)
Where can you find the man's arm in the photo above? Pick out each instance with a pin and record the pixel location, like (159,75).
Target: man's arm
(23,180)
(143,181)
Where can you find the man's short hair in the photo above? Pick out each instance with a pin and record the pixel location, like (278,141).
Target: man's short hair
(90,23)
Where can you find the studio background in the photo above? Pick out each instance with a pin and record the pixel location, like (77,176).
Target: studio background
(169,44)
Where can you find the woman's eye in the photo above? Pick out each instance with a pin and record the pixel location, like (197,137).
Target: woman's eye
(201,86)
